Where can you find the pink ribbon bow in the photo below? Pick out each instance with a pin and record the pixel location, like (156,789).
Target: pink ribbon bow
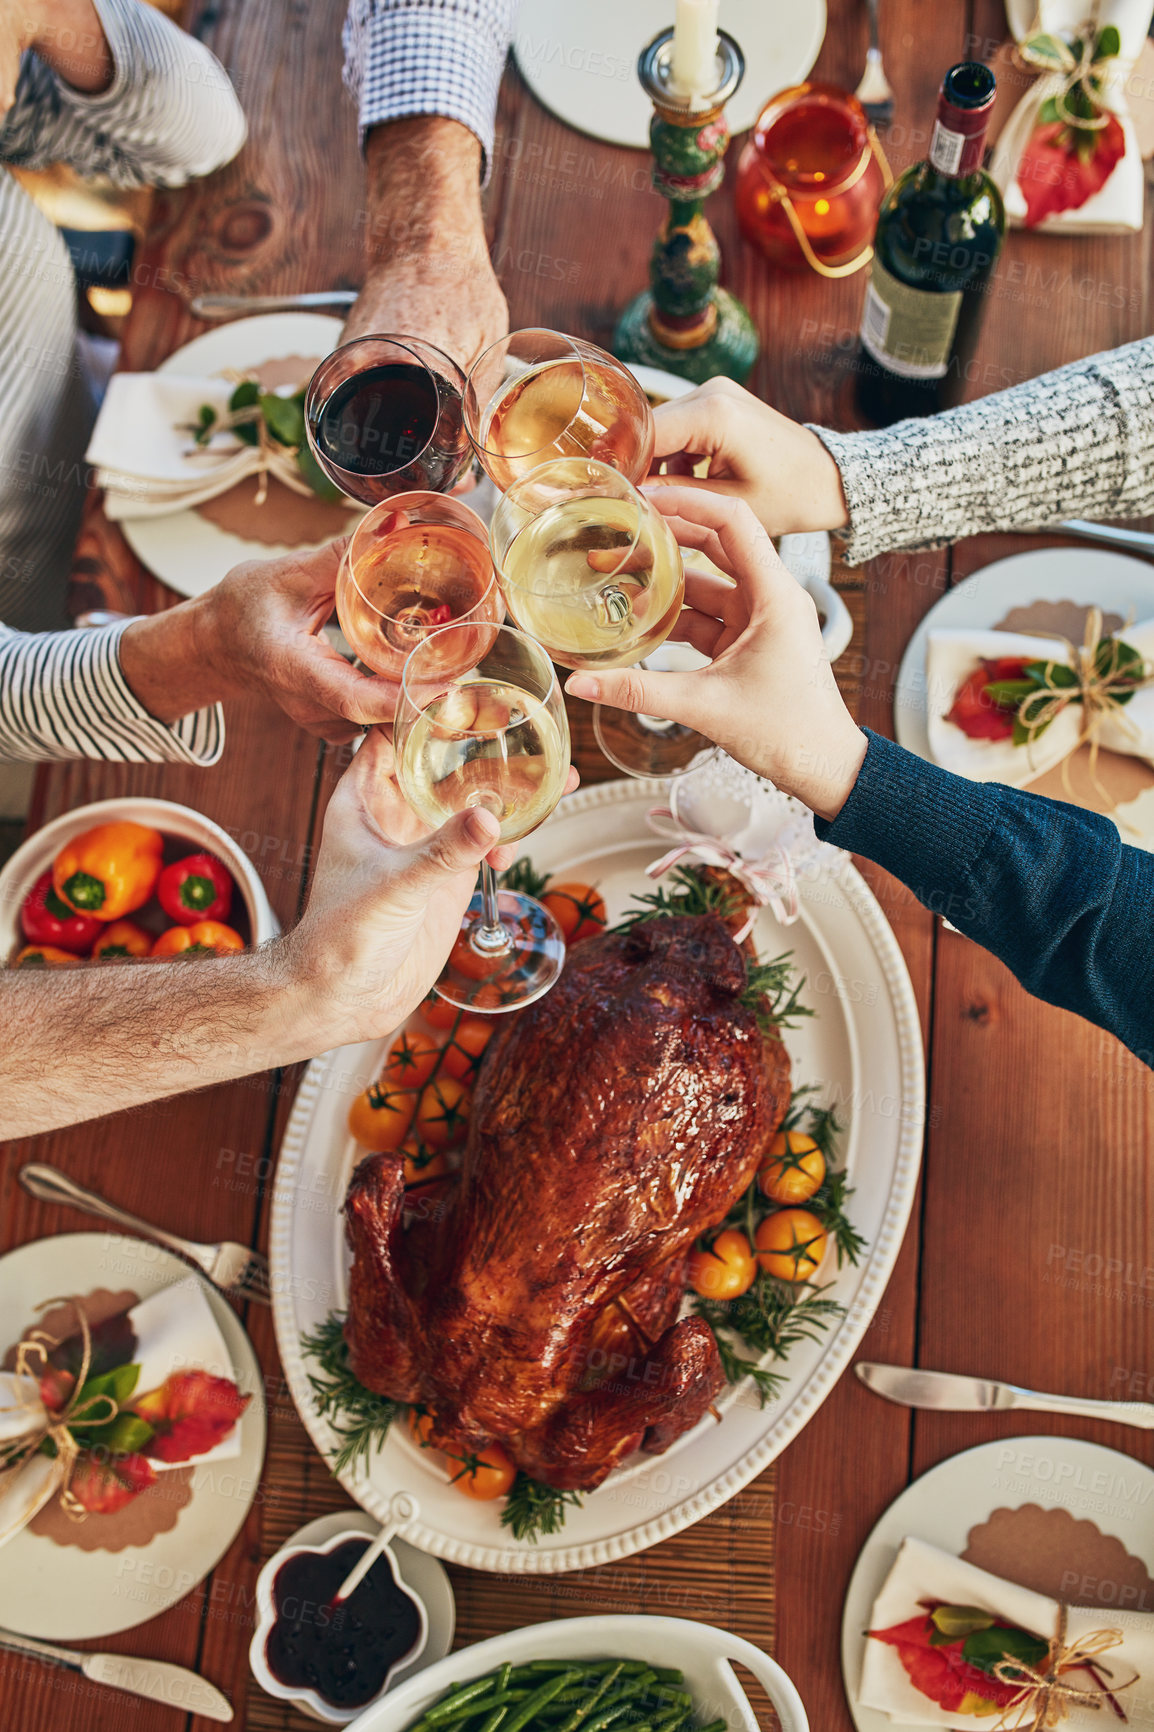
(770,880)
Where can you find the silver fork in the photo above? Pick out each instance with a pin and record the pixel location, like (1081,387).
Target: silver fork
(875,92)
(231,1267)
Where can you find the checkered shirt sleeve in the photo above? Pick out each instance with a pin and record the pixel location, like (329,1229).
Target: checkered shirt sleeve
(406,57)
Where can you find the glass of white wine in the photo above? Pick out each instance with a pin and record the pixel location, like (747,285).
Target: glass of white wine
(586,564)
(538,394)
(493,735)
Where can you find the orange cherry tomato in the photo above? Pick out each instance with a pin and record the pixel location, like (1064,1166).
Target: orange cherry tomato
(421,1426)
(462,1052)
(43,956)
(379,1119)
(412,1060)
(421,1163)
(486,1475)
(438,1012)
(123,938)
(578,909)
(791,1244)
(442,1113)
(795,1169)
(202,938)
(726,1270)
(471,965)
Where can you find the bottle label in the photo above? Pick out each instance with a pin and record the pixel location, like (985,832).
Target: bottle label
(909,331)
(946,148)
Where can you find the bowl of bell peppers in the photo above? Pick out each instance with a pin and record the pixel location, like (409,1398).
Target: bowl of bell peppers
(127,880)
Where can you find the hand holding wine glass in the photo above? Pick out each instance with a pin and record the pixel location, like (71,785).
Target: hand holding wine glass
(481,725)
(768,696)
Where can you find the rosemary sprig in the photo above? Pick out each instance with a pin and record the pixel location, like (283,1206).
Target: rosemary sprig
(686,891)
(523,876)
(533,1508)
(360,1419)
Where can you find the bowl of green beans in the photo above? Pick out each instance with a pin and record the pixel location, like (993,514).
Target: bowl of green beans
(599,1674)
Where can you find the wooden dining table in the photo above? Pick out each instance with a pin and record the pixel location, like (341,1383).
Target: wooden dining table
(1028,1254)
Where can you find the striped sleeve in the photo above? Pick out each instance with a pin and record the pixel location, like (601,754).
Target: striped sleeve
(1078,442)
(405,57)
(169,114)
(63,695)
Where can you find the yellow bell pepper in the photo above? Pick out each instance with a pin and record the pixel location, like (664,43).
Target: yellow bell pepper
(109,871)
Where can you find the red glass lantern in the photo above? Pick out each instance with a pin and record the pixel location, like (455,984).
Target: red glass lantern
(810,180)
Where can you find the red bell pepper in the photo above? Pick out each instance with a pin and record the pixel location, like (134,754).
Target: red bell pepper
(47,919)
(195,888)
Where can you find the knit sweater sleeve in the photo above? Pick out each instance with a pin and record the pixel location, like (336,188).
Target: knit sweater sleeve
(1050,889)
(1078,442)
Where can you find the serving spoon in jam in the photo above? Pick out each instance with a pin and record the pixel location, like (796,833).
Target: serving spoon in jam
(403,1508)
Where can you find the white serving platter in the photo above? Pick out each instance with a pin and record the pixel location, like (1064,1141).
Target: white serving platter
(863,1048)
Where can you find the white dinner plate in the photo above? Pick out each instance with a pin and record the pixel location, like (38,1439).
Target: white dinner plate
(581,62)
(1090,576)
(1100,1485)
(863,1049)
(184,549)
(63,1594)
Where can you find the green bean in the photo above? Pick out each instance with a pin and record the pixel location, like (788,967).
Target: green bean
(669,1675)
(579,1715)
(678,1698)
(668,1721)
(494,1720)
(554,1666)
(447,1710)
(613,1710)
(524,1714)
(500,1699)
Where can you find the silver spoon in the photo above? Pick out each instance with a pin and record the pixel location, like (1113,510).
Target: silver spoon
(224,306)
(875,92)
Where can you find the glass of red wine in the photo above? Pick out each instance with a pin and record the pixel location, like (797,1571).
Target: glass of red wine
(383,415)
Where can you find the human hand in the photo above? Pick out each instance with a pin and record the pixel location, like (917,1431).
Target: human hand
(782,470)
(67,34)
(769,696)
(260,629)
(386,900)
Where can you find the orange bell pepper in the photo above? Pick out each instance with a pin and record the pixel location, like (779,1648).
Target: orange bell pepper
(123,938)
(200,939)
(44,956)
(109,871)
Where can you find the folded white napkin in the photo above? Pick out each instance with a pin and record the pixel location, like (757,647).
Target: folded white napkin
(922,1572)
(1118,204)
(146,459)
(951,656)
(175,1331)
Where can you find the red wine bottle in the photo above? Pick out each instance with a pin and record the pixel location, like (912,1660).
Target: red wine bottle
(940,229)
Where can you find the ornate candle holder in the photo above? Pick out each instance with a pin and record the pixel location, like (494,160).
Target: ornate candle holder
(684,322)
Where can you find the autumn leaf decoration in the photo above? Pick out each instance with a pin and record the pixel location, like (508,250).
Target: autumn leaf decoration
(1077,142)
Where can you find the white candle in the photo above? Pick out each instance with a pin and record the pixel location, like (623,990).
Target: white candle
(694,47)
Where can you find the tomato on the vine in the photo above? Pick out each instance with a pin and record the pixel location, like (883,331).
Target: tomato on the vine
(412,1060)
(485,1474)
(421,1163)
(380,1117)
(795,1169)
(438,1012)
(578,909)
(791,1244)
(442,1113)
(726,1270)
(463,1050)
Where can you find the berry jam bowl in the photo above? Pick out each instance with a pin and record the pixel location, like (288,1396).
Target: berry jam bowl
(334,1659)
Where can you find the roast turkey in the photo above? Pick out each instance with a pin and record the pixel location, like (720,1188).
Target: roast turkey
(536,1302)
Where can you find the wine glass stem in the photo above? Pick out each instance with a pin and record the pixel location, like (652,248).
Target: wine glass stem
(490,937)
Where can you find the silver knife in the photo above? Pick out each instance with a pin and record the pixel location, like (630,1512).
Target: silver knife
(949,1392)
(221,306)
(1138,540)
(156,1679)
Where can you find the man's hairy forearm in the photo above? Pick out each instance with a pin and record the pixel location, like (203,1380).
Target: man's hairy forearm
(422,178)
(78,1043)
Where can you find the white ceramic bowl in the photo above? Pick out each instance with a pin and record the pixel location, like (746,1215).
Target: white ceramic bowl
(36,855)
(308,1700)
(701,1651)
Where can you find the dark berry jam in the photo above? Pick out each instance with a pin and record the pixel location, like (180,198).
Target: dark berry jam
(344,1652)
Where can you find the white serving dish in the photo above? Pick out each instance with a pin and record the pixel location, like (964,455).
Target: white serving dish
(308,1700)
(36,855)
(701,1651)
(863,1049)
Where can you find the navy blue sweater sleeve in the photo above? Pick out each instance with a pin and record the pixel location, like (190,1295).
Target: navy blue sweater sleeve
(1050,889)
